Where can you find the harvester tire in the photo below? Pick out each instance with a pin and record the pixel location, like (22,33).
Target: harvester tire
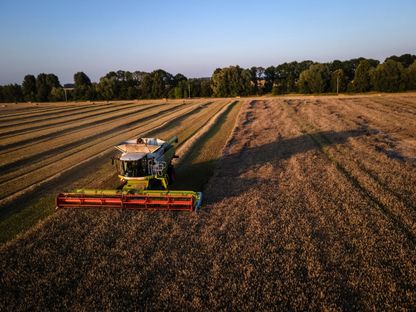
(171,174)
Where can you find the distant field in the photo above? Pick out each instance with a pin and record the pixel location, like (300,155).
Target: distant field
(311,206)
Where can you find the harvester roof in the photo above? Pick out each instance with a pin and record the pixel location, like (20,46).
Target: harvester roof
(140,145)
(132,156)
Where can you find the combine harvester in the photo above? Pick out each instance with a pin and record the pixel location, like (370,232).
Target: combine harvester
(145,170)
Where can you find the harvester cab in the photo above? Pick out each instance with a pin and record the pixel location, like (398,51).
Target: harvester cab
(146,163)
(144,167)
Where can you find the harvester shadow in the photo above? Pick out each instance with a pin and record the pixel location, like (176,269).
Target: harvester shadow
(226,181)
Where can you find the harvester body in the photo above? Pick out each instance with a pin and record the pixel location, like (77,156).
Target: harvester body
(145,170)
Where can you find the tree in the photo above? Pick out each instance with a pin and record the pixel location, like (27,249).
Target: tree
(106,88)
(42,88)
(406,59)
(338,81)
(162,82)
(44,85)
(29,88)
(269,78)
(146,86)
(206,90)
(81,80)
(181,90)
(57,94)
(82,86)
(256,76)
(315,79)
(389,77)
(12,93)
(219,86)
(231,81)
(361,81)
(287,76)
(411,75)
(178,78)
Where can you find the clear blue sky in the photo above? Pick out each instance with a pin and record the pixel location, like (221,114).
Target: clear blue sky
(194,36)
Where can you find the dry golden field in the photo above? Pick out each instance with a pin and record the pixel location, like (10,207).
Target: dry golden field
(311,206)
(54,149)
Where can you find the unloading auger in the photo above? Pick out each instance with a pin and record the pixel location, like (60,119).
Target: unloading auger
(145,169)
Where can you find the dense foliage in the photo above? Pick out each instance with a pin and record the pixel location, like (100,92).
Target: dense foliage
(397,73)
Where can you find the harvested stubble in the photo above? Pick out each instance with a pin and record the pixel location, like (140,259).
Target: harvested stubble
(291,224)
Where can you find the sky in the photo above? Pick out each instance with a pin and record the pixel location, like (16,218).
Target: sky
(194,37)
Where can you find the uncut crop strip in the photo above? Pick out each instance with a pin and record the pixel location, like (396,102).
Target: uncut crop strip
(43,173)
(190,144)
(196,165)
(394,210)
(37,136)
(80,134)
(30,126)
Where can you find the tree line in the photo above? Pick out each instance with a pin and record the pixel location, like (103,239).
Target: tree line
(396,73)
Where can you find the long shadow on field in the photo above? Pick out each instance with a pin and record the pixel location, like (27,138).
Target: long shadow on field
(227,182)
(231,166)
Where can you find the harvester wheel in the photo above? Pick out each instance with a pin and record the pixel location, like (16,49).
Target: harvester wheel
(155,184)
(171,174)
